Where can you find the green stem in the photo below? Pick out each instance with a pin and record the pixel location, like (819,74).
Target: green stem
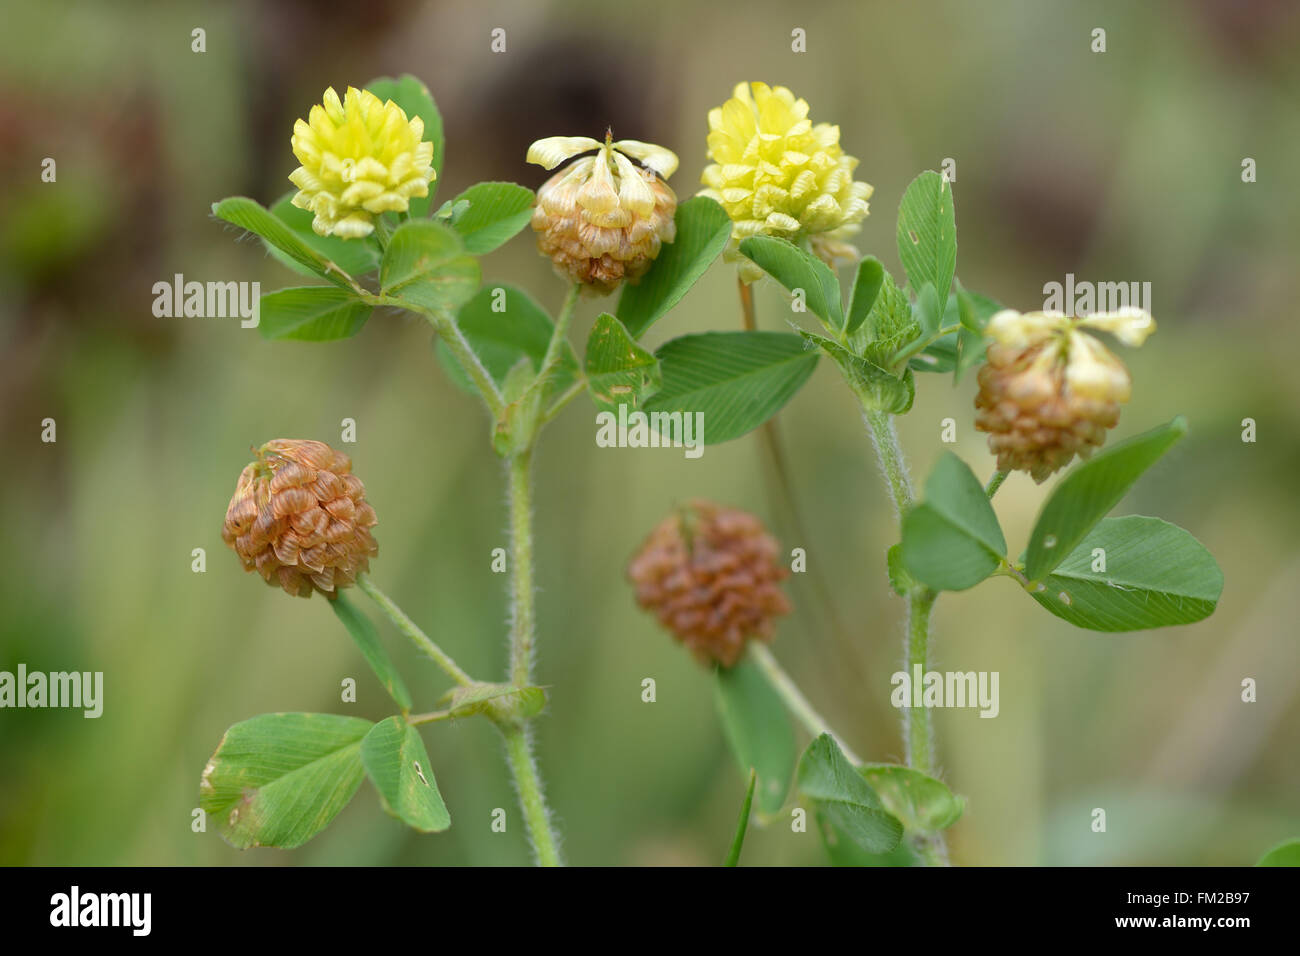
(995,483)
(519,753)
(570,393)
(918,723)
(920,345)
(451,334)
(794,699)
(413,631)
(560,334)
(522,614)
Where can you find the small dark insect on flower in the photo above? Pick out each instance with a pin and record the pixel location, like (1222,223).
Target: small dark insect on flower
(299,518)
(711,575)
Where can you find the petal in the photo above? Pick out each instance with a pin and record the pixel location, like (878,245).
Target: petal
(1130,325)
(662,161)
(550,152)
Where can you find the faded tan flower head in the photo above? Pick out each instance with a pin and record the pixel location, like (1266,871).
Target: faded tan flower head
(711,575)
(1050,390)
(299,518)
(603,218)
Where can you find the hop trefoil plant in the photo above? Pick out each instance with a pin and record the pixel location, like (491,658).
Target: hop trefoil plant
(1050,389)
(780,200)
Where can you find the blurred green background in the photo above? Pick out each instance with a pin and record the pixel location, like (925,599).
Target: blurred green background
(1117,166)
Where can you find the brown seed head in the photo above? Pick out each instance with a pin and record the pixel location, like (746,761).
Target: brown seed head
(710,574)
(299,518)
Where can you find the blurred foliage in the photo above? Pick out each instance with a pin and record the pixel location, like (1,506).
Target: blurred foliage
(1118,166)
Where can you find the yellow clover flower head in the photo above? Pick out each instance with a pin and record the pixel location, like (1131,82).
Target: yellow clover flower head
(1049,390)
(777,174)
(603,218)
(360,158)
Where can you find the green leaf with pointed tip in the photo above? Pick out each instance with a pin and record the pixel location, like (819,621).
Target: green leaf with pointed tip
(314,313)
(415,100)
(425,264)
(736,380)
(796,269)
(757,729)
(844,852)
(1284,854)
(494,213)
(363,632)
(844,799)
(868,279)
(619,372)
(1148,573)
(920,801)
(702,230)
(279,779)
(397,764)
(927,234)
(355,256)
(1089,491)
(738,841)
(952,541)
(250,215)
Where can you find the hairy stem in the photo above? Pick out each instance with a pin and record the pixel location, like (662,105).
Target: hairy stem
(794,699)
(413,631)
(918,723)
(522,615)
(519,753)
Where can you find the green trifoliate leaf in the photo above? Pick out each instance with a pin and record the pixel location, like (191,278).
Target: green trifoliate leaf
(487,215)
(845,800)
(802,273)
(952,540)
(315,313)
(425,265)
(927,234)
(1089,491)
(1133,573)
(279,779)
(736,380)
(398,765)
(619,372)
(702,231)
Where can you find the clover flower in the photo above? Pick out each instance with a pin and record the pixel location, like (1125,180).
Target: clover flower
(777,174)
(711,576)
(1050,390)
(299,518)
(602,219)
(360,158)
